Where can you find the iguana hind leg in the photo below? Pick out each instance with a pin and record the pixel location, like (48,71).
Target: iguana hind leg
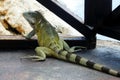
(41,56)
(76,49)
(41,53)
(72,49)
(34,58)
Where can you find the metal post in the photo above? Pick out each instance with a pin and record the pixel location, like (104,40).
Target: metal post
(95,12)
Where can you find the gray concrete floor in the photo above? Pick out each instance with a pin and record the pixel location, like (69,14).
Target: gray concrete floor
(12,68)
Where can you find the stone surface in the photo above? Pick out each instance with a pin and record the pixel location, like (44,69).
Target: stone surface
(12,68)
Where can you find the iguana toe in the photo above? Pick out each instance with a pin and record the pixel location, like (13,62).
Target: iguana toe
(34,58)
(76,49)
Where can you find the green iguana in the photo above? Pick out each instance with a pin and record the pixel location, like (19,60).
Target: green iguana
(50,44)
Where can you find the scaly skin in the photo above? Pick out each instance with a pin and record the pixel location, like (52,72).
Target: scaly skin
(51,45)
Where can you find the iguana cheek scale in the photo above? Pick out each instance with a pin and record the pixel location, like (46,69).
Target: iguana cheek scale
(50,44)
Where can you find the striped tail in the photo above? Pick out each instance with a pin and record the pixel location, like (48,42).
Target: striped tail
(64,55)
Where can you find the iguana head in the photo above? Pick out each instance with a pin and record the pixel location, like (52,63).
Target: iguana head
(32,17)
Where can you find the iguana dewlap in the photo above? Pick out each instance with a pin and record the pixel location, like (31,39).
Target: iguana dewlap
(51,45)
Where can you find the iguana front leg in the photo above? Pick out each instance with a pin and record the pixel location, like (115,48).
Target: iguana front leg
(31,34)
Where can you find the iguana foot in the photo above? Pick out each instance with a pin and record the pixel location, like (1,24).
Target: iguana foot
(76,48)
(34,58)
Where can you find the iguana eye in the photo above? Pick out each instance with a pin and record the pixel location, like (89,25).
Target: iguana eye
(32,22)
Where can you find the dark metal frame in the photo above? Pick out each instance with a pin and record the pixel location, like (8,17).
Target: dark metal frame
(96,11)
(98,15)
(111,24)
(89,39)
(19,42)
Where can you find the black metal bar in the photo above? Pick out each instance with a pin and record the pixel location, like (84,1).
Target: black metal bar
(96,11)
(110,33)
(49,4)
(113,19)
(73,21)
(111,25)
(19,42)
